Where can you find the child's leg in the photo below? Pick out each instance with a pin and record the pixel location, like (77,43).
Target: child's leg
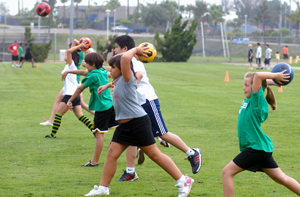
(62,109)
(57,101)
(84,105)
(98,147)
(175,141)
(162,160)
(85,120)
(278,176)
(131,152)
(228,173)
(110,165)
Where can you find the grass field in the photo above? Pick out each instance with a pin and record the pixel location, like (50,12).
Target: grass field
(196,104)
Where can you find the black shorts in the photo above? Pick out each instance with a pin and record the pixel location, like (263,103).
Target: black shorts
(14,58)
(104,120)
(75,102)
(254,160)
(28,56)
(21,59)
(267,61)
(285,56)
(136,132)
(258,60)
(250,59)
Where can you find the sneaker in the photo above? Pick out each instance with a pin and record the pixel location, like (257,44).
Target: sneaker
(185,188)
(129,176)
(97,191)
(164,143)
(140,156)
(195,160)
(50,136)
(46,123)
(89,164)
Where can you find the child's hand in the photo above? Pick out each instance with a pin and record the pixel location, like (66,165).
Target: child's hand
(64,75)
(279,77)
(101,89)
(82,46)
(70,106)
(142,51)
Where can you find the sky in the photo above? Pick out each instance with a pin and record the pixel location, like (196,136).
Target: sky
(13,4)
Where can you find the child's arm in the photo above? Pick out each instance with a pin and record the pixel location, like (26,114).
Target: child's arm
(102,88)
(77,72)
(76,93)
(75,43)
(260,76)
(126,61)
(71,50)
(271,82)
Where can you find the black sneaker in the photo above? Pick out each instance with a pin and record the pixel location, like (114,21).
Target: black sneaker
(129,176)
(50,136)
(195,160)
(89,164)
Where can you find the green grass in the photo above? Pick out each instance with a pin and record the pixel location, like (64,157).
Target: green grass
(196,104)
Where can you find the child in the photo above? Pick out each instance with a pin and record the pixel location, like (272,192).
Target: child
(70,85)
(250,56)
(277,55)
(148,99)
(135,127)
(20,55)
(255,146)
(100,103)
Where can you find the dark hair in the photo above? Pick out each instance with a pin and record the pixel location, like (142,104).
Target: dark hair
(277,52)
(30,44)
(75,58)
(286,46)
(267,45)
(116,61)
(125,41)
(258,44)
(21,43)
(94,58)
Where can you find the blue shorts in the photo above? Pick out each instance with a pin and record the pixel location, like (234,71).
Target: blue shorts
(152,108)
(267,61)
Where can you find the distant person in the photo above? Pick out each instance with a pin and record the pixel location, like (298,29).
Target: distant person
(258,56)
(29,55)
(277,56)
(285,52)
(20,55)
(109,51)
(268,57)
(13,48)
(250,56)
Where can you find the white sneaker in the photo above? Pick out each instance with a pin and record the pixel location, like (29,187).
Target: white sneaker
(268,68)
(13,66)
(46,123)
(185,188)
(97,191)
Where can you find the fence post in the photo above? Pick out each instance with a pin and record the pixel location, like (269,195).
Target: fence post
(230,59)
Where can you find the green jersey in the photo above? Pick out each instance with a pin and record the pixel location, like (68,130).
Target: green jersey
(253,112)
(79,63)
(21,52)
(94,79)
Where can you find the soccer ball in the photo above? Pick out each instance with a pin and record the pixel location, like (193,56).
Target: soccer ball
(87,41)
(151,55)
(43,9)
(281,67)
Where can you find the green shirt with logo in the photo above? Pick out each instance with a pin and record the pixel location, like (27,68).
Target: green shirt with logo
(253,112)
(94,79)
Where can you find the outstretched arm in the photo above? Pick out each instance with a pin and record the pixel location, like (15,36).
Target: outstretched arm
(77,72)
(76,93)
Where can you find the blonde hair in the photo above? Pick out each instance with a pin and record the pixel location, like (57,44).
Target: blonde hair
(270,97)
(249,45)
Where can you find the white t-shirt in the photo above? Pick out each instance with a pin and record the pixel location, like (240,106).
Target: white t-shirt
(268,53)
(145,89)
(70,83)
(258,52)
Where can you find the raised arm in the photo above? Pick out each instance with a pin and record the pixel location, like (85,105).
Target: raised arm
(77,72)
(71,50)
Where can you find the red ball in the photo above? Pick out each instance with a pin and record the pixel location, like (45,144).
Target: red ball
(87,41)
(43,9)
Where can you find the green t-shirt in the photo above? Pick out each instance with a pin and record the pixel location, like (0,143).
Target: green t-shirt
(94,79)
(81,57)
(253,112)
(21,52)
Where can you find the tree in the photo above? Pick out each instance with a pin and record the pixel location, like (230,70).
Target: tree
(263,14)
(170,8)
(77,2)
(3,9)
(200,11)
(50,16)
(294,17)
(189,8)
(245,7)
(153,15)
(216,13)
(178,45)
(64,2)
(112,4)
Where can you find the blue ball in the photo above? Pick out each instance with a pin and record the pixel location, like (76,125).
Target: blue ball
(281,67)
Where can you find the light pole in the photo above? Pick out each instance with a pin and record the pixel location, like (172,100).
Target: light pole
(107,22)
(71,20)
(54,43)
(115,19)
(245,25)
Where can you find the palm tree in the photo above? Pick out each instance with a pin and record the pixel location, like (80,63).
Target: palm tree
(112,4)
(64,2)
(77,2)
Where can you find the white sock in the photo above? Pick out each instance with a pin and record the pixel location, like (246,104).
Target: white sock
(103,188)
(190,152)
(182,179)
(130,170)
(159,139)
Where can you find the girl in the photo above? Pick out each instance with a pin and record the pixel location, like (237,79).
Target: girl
(135,127)
(255,146)
(277,55)
(70,85)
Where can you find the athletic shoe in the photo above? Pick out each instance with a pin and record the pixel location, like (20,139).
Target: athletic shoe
(185,188)
(164,143)
(129,176)
(50,136)
(46,123)
(140,156)
(195,160)
(89,164)
(13,66)
(97,191)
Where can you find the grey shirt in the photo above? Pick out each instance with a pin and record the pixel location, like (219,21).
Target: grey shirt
(125,99)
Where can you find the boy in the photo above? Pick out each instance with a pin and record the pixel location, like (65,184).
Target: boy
(14,53)
(21,55)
